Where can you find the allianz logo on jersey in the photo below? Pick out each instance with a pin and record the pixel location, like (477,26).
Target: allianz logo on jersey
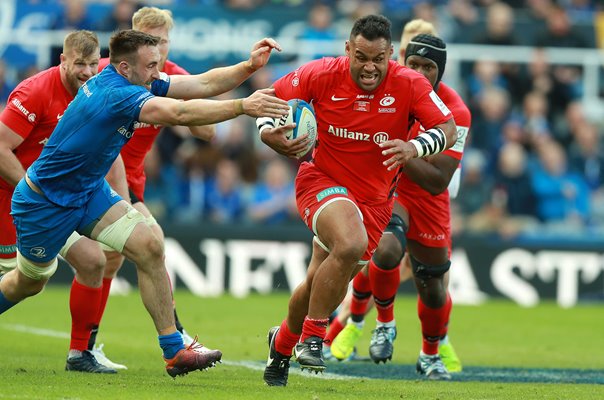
(377,138)
(139,125)
(125,132)
(31,117)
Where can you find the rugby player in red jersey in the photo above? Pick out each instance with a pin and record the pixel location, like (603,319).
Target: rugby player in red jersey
(159,22)
(365,104)
(33,110)
(423,214)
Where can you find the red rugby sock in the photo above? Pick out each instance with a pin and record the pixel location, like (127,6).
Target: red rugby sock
(434,323)
(334,328)
(361,293)
(84,304)
(285,340)
(384,285)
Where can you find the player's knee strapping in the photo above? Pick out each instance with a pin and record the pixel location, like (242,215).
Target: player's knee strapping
(7,264)
(34,271)
(399,229)
(116,234)
(425,272)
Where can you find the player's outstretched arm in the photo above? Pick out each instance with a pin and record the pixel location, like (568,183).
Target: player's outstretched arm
(11,169)
(439,138)
(166,111)
(220,80)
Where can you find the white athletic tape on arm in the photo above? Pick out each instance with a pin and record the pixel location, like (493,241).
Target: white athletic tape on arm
(433,141)
(263,123)
(34,271)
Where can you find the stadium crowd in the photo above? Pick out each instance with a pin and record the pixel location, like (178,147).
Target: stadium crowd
(535,156)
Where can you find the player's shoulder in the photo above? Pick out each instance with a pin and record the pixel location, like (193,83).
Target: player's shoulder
(453,101)
(171,68)
(42,80)
(103,62)
(327,66)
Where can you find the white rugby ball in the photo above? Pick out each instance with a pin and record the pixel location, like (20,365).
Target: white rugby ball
(303,115)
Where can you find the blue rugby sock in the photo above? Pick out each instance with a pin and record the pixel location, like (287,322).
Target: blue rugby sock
(171,344)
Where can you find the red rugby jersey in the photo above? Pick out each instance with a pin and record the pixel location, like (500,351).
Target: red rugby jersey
(352,122)
(134,152)
(463,120)
(32,111)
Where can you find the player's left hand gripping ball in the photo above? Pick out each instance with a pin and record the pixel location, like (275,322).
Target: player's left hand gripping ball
(303,115)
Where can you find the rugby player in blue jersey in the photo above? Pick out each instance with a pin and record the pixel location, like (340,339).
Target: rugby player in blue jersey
(64,190)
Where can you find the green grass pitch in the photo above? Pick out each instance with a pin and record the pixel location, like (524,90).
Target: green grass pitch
(508,352)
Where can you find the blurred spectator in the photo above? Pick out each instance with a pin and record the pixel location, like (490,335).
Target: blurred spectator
(476,186)
(533,116)
(499,26)
(489,120)
(224,196)
(463,19)
(75,16)
(120,18)
(486,74)
(559,31)
(243,4)
(512,182)
(6,87)
(562,195)
(587,156)
(273,199)
(161,187)
(319,29)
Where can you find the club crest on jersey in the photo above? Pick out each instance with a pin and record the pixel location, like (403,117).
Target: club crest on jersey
(387,101)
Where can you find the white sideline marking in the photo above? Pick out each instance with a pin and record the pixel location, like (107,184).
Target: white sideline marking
(256,366)
(35,331)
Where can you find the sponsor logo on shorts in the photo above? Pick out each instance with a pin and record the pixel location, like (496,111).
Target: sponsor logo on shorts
(331,191)
(39,252)
(432,236)
(8,249)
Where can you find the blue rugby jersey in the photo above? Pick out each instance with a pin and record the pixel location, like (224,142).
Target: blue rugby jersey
(90,135)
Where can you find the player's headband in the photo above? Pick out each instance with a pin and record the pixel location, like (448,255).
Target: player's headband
(430,47)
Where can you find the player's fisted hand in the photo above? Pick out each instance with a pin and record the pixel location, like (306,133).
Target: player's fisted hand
(399,151)
(261,52)
(263,103)
(276,140)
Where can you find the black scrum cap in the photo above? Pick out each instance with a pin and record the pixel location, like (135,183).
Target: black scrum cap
(430,47)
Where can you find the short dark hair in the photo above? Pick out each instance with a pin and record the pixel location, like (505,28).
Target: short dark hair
(372,27)
(123,45)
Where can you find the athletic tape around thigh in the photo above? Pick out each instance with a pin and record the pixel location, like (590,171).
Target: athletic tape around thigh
(116,234)
(7,264)
(34,271)
(74,237)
